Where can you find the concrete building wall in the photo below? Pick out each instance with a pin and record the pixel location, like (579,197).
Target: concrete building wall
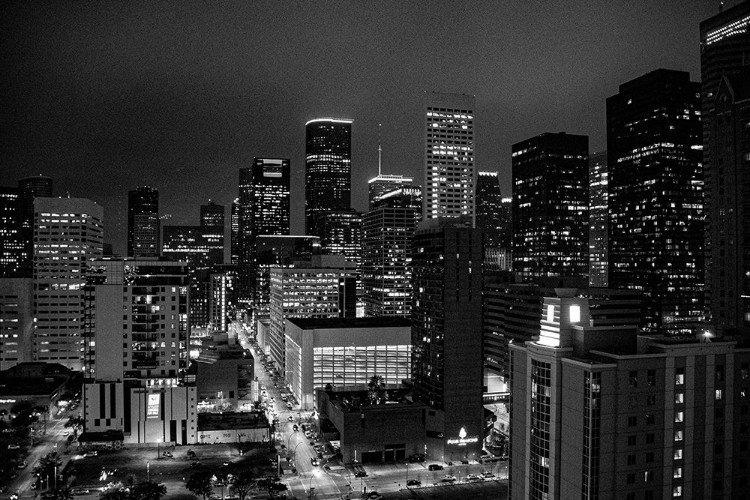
(16,321)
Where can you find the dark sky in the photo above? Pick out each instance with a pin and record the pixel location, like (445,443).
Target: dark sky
(107,96)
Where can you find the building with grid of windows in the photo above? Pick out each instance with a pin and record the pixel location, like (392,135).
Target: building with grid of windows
(12,247)
(449,155)
(328,169)
(725,116)
(493,218)
(383,184)
(656,198)
(345,352)
(550,206)
(598,412)
(16,321)
(37,186)
(598,220)
(143,222)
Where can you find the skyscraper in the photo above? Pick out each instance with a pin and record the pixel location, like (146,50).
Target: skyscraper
(12,247)
(449,155)
(725,91)
(263,210)
(550,206)
(143,222)
(385,183)
(328,169)
(598,220)
(493,218)
(38,186)
(67,233)
(656,197)
(447,335)
(212,228)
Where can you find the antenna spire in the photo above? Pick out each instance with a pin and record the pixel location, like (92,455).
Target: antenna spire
(380,149)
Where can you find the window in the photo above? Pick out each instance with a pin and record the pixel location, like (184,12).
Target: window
(632,440)
(718,467)
(648,476)
(719,373)
(631,459)
(679,397)
(719,394)
(651,378)
(632,421)
(649,457)
(718,448)
(679,377)
(633,379)
(678,454)
(575,314)
(650,438)
(678,436)
(679,416)
(651,400)
(677,491)
(631,478)
(744,371)
(630,496)
(650,419)
(649,495)
(677,473)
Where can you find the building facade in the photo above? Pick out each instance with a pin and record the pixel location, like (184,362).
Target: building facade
(598,220)
(383,184)
(656,197)
(38,186)
(328,169)
(143,222)
(12,246)
(449,155)
(16,321)
(493,218)
(67,233)
(725,108)
(550,206)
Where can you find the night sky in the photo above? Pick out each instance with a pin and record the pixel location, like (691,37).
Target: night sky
(107,96)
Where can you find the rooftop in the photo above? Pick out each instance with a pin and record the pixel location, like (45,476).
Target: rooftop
(332,323)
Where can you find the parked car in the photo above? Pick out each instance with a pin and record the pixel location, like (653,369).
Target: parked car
(360,473)
(413,482)
(79,491)
(89,454)
(314,461)
(488,475)
(13,446)
(22,465)
(448,478)
(295,427)
(474,477)
(291,418)
(435,467)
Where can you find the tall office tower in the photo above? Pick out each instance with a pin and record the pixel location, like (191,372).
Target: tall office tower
(264,209)
(278,251)
(449,155)
(221,298)
(341,234)
(234,232)
(67,233)
(598,412)
(550,206)
(328,169)
(491,218)
(447,335)
(212,225)
(725,91)
(143,222)
(656,198)
(598,220)
(385,183)
(386,251)
(16,321)
(137,313)
(31,188)
(12,247)
(324,287)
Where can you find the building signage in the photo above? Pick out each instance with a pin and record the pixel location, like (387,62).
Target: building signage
(462,440)
(153,406)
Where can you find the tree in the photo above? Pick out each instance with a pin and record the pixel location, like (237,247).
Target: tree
(376,389)
(148,490)
(242,483)
(115,491)
(62,492)
(47,464)
(201,483)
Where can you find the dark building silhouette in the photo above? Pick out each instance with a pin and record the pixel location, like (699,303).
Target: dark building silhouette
(493,218)
(598,220)
(550,206)
(725,112)
(212,226)
(447,335)
(263,209)
(143,222)
(12,247)
(38,186)
(656,197)
(328,169)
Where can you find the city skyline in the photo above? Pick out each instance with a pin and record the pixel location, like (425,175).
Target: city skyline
(141,101)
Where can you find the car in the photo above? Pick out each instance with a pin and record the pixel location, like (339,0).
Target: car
(435,467)
(413,482)
(448,478)
(13,446)
(291,418)
(283,447)
(79,491)
(307,434)
(262,387)
(289,405)
(314,461)
(465,462)
(360,473)
(374,495)
(89,454)
(304,427)
(488,475)
(295,427)
(474,477)
(22,465)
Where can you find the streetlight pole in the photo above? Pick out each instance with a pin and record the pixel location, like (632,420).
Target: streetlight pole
(148,471)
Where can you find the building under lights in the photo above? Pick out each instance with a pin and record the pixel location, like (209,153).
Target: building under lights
(328,169)
(598,220)
(137,312)
(656,198)
(67,233)
(449,155)
(345,352)
(598,412)
(324,287)
(493,218)
(550,206)
(385,183)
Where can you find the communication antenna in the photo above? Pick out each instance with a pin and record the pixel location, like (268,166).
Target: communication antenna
(380,149)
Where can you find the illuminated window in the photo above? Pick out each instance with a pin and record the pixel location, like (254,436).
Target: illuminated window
(575,314)
(550,313)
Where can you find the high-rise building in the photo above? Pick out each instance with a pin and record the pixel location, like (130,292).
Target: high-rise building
(328,169)
(550,206)
(38,186)
(493,218)
(212,226)
(656,197)
(132,306)
(598,220)
(143,222)
(325,287)
(386,251)
(67,233)
(264,209)
(12,248)
(598,412)
(725,95)
(385,183)
(234,232)
(447,335)
(449,155)
(16,321)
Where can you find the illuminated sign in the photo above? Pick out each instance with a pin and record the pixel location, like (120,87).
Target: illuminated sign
(152,409)
(462,440)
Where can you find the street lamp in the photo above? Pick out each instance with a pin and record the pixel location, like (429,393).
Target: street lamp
(157,448)
(148,471)
(313,475)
